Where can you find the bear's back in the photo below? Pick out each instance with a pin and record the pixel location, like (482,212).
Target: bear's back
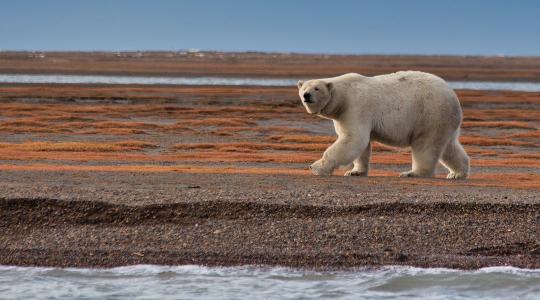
(409,76)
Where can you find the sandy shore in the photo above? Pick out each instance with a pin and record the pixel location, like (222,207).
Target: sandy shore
(96,175)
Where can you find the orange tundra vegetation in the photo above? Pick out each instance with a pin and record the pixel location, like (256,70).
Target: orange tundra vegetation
(209,157)
(78,146)
(531,134)
(247,146)
(471,97)
(486,141)
(202,155)
(501,114)
(282,157)
(217,122)
(252,130)
(322,139)
(493,124)
(263,129)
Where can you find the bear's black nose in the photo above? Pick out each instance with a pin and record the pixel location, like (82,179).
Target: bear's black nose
(307,97)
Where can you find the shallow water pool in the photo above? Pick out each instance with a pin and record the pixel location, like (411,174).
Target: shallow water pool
(94,79)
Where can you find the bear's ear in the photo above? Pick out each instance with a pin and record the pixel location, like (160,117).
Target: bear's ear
(300,83)
(329,86)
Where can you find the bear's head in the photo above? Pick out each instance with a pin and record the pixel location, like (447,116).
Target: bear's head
(315,94)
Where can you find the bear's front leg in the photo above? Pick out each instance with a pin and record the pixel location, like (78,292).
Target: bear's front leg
(342,152)
(321,168)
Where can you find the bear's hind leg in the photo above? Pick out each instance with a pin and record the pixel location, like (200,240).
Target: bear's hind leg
(361,164)
(456,160)
(425,156)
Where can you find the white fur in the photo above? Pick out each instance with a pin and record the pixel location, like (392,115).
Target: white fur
(401,109)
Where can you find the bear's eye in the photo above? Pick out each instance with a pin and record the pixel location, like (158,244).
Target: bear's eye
(316,89)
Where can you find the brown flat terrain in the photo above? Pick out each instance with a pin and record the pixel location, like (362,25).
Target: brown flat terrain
(114,175)
(267,65)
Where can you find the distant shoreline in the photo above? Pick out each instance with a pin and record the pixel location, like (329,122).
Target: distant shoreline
(270,65)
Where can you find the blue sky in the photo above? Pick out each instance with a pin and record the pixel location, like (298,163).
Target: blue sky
(359,27)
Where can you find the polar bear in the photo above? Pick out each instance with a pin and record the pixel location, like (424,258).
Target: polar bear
(407,108)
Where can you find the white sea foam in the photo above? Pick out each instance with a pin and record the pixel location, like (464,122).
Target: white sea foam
(252,282)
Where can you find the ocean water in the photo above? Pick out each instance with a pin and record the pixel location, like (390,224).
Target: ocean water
(91,79)
(250,282)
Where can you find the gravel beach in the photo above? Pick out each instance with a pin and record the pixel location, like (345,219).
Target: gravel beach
(95,219)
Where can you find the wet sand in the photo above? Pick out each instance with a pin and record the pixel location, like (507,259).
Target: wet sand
(104,175)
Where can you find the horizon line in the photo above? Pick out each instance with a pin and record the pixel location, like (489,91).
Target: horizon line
(192,50)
